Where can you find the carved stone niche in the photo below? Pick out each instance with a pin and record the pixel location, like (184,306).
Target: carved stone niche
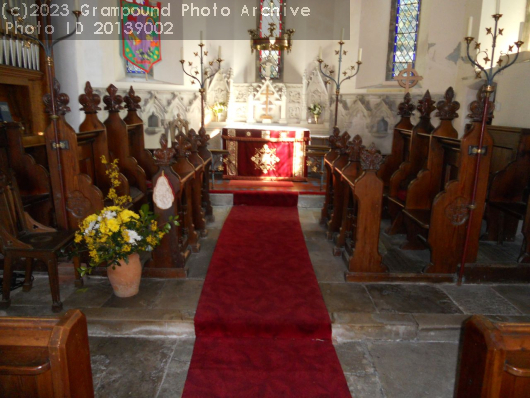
(218,90)
(382,119)
(153,113)
(355,117)
(316,93)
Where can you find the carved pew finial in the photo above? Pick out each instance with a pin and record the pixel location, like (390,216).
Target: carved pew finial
(447,108)
(355,146)
(182,145)
(132,101)
(203,137)
(406,108)
(90,100)
(113,101)
(477,107)
(426,106)
(342,142)
(164,156)
(194,140)
(61,100)
(334,137)
(371,158)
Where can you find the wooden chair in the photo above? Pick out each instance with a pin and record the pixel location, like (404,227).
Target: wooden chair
(415,161)
(495,360)
(119,147)
(439,200)
(400,142)
(23,237)
(33,179)
(45,357)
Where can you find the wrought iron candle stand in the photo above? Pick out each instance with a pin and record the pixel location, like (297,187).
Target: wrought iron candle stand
(488,90)
(203,76)
(51,98)
(338,82)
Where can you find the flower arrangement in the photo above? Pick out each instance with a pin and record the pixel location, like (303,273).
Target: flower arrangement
(315,109)
(218,108)
(115,232)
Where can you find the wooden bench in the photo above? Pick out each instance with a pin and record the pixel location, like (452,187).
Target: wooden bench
(207,157)
(409,168)
(33,179)
(195,159)
(438,201)
(495,360)
(400,142)
(45,357)
(330,157)
(120,148)
(508,197)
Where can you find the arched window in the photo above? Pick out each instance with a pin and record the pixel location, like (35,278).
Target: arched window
(276,17)
(403,35)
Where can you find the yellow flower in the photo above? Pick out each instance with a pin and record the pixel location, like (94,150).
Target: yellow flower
(161,235)
(104,159)
(113,225)
(151,240)
(126,249)
(154,226)
(93,253)
(78,238)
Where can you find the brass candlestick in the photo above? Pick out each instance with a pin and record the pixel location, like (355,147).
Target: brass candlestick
(347,75)
(203,76)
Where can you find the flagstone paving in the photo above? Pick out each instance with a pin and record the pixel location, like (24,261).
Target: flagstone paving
(383,333)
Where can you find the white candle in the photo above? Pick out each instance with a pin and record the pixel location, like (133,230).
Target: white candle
(360,55)
(219,53)
(521,31)
(342,35)
(181,53)
(469,26)
(77,6)
(201,36)
(320,53)
(498,7)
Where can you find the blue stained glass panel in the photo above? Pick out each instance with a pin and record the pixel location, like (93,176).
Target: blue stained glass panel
(406,34)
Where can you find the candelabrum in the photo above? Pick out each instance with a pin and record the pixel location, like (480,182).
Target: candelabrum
(487,90)
(47,43)
(202,76)
(348,74)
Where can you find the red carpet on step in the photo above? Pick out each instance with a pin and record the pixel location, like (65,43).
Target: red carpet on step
(262,327)
(266,198)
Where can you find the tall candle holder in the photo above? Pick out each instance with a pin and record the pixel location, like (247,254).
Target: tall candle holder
(204,75)
(338,82)
(51,98)
(488,90)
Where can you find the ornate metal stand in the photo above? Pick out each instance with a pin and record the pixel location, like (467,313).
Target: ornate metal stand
(488,90)
(337,81)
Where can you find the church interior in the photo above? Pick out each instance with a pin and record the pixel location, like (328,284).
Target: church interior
(265,198)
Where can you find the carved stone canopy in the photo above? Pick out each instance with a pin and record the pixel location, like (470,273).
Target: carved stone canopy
(426,106)
(113,101)
(447,108)
(371,158)
(355,146)
(164,156)
(477,107)
(90,100)
(132,101)
(406,108)
(59,100)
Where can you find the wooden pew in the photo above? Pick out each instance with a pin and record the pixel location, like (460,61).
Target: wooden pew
(407,171)
(335,218)
(400,142)
(508,196)
(118,139)
(82,196)
(349,173)
(330,157)
(495,360)
(179,130)
(206,155)
(367,194)
(33,179)
(135,137)
(168,259)
(45,357)
(442,223)
(197,183)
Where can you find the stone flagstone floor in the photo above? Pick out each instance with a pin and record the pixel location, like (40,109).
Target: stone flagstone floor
(393,340)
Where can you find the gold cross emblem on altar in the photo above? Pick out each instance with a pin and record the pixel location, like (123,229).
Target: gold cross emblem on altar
(265,159)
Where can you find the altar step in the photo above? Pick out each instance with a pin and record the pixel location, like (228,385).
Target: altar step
(304,201)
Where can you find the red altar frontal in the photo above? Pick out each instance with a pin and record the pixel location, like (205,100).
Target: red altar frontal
(258,153)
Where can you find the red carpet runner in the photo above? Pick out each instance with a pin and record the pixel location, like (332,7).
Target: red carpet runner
(262,327)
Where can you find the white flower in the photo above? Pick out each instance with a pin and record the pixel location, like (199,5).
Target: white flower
(133,236)
(110,214)
(93,225)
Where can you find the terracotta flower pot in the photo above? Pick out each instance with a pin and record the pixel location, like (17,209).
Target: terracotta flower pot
(125,278)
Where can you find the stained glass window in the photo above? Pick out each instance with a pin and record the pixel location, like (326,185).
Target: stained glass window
(273,14)
(404,35)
